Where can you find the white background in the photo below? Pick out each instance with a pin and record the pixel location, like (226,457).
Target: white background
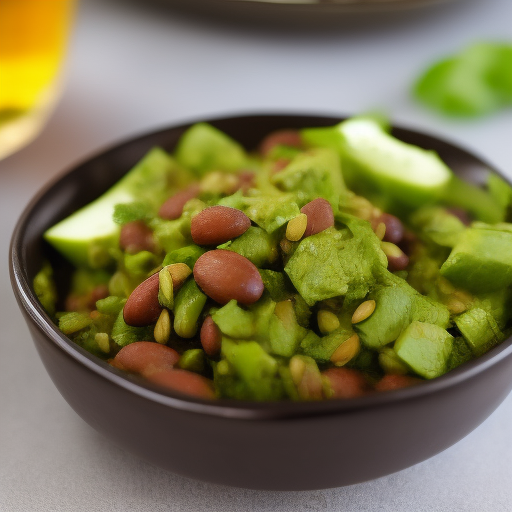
(131,69)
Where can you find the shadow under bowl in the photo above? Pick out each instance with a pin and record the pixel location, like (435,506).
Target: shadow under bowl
(274,446)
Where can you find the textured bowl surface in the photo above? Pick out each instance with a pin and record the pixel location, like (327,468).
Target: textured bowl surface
(286,446)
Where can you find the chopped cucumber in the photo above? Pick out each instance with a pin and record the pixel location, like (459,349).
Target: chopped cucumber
(410,174)
(86,236)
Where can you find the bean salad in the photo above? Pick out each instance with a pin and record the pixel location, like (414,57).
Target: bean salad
(327,263)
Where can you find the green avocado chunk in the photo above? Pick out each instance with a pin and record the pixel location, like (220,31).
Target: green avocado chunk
(262,311)
(461,353)
(479,329)
(333,263)
(316,173)
(203,148)
(285,333)
(397,305)
(276,284)
(188,255)
(498,304)
(86,236)
(256,245)
(258,370)
(269,212)
(321,348)
(235,322)
(481,261)
(192,360)
(480,203)
(437,225)
(425,348)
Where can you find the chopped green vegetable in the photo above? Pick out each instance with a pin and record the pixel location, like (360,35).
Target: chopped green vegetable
(124,334)
(481,261)
(425,348)
(94,226)
(130,212)
(188,304)
(44,288)
(203,148)
(479,329)
(321,295)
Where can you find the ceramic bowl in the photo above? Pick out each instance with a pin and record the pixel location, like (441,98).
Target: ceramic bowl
(277,445)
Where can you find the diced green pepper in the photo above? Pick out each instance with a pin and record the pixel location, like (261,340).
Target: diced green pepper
(479,329)
(256,245)
(257,369)
(425,348)
(188,304)
(124,334)
(481,261)
(192,360)
(235,322)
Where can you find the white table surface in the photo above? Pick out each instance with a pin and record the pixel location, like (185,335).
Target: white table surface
(132,69)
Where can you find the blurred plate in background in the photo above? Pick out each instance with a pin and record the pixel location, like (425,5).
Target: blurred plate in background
(304,12)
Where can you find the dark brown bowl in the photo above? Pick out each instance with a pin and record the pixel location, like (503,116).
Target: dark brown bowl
(287,446)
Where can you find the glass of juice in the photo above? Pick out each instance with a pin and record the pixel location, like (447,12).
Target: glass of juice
(33,37)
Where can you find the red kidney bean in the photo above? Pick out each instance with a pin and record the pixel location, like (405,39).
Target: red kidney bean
(279,165)
(77,303)
(135,237)
(394,227)
(409,242)
(320,216)
(397,259)
(225,275)
(218,224)
(185,382)
(145,358)
(211,337)
(246,180)
(390,382)
(98,293)
(173,207)
(280,138)
(142,307)
(346,382)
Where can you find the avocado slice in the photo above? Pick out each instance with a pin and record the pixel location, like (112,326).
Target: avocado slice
(411,175)
(481,261)
(426,348)
(86,236)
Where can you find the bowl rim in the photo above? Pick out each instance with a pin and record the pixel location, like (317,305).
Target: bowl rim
(224,408)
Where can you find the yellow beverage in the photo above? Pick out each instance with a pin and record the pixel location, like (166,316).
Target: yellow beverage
(33,36)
